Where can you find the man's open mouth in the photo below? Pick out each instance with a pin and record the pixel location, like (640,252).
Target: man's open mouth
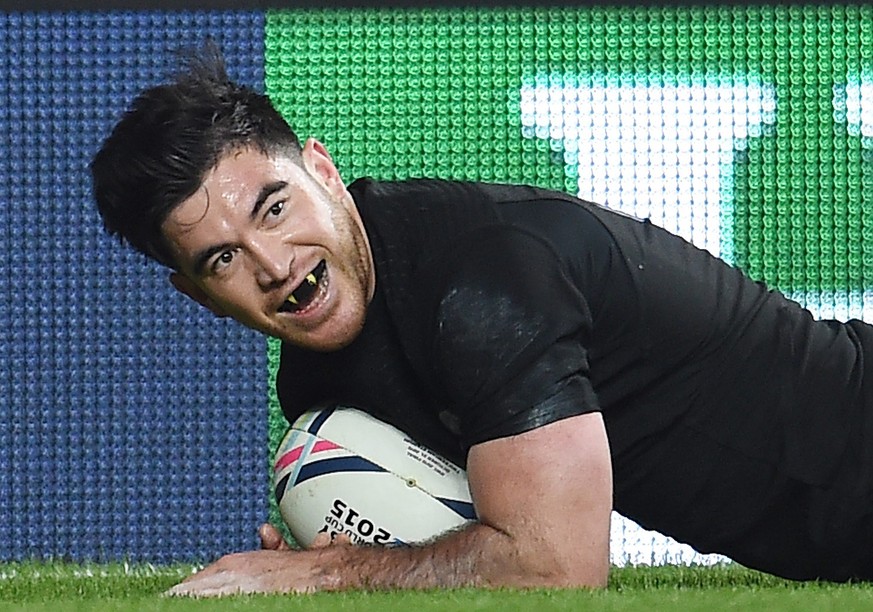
(313,285)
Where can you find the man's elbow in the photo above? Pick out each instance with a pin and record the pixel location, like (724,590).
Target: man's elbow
(582,574)
(548,572)
(582,564)
(562,580)
(591,578)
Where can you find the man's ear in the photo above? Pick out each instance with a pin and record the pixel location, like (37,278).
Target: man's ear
(319,164)
(185,285)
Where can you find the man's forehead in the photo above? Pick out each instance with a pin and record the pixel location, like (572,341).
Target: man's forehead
(188,213)
(230,182)
(245,171)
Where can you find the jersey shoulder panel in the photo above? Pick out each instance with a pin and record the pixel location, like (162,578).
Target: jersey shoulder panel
(505,333)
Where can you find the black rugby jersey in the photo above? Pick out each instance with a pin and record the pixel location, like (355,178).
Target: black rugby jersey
(736,422)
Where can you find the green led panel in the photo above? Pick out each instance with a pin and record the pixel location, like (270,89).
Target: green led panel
(746,129)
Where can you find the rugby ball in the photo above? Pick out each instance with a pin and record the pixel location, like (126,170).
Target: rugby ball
(339,470)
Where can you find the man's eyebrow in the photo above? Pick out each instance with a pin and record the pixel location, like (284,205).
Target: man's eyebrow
(266,191)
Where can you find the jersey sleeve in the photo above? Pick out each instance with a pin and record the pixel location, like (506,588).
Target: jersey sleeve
(508,330)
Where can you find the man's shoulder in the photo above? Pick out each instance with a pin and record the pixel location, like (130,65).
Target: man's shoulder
(411,222)
(440,190)
(422,229)
(372,192)
(425,223)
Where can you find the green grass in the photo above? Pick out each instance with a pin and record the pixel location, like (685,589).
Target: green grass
(119,587)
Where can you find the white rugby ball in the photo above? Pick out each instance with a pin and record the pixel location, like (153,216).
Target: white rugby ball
(339,470)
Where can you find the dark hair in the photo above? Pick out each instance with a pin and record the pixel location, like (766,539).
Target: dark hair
(159,153)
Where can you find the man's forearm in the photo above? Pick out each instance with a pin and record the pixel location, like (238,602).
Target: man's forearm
(477,556)
(463,558)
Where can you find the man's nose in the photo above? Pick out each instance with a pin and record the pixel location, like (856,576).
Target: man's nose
(273,259)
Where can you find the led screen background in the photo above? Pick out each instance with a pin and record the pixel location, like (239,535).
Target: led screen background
(133,425)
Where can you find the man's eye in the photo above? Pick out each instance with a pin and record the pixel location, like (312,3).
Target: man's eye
(223,260)
(276,209)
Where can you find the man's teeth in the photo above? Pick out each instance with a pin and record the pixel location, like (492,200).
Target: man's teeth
(311,280)
(307,289)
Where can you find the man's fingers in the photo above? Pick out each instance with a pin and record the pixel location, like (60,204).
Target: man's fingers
(271,538)
(342,539)
(323,540)
(222,585)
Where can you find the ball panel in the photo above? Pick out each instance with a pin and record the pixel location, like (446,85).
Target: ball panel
(463,509)
(345,503)
(335,466)
(340,470)
(386,445)
(295,452)
(311,421)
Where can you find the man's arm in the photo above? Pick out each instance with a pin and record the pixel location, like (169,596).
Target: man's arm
(543,499)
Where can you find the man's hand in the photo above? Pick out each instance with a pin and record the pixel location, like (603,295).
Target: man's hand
(543,499)
(251,572)
(272,569)
(271,539)
(260,571)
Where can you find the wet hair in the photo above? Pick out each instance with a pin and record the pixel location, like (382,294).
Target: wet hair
(159,153)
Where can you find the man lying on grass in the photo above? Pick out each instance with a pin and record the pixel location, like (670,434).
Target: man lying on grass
(572,359)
